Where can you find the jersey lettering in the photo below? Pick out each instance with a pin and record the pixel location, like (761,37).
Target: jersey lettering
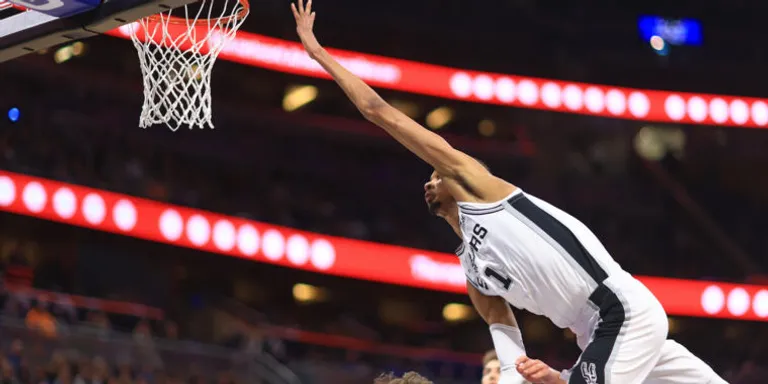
(478,234)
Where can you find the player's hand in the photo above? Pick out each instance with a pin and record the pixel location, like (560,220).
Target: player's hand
(305,20)
(536,371)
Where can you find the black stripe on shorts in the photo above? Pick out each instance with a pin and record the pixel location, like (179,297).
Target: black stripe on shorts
(591,366)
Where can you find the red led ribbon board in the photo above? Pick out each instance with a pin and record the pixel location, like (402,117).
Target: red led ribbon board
(501,89)
(287,247)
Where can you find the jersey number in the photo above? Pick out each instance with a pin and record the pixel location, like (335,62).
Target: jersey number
(505,281)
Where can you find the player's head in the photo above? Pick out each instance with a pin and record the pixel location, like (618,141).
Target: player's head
(408,378)
(439,201)
(491,368)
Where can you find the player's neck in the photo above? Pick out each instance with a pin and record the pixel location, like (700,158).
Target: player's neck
(452,218)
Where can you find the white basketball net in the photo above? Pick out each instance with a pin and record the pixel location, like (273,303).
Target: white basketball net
(177,59)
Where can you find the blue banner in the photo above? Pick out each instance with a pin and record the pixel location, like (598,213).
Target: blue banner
(673,31)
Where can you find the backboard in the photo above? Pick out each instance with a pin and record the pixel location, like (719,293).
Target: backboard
(27,26)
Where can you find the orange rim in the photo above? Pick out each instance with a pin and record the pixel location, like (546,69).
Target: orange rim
(241,14)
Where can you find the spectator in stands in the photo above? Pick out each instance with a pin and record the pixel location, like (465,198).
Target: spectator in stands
(38,375)
(491,368)
(14,355)
(7,374)
(84,372)
(125,374)
(63,308)
(171,330)
(100,371)
(64,375)
(39,319)
(98,323)
(57,368)
(142,334)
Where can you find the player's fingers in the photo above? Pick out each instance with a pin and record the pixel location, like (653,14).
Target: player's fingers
(521,359)
(312,19)
(295,12)
(309,7)
(301,7)
(531,367)
(542,371)
(526,366)
(540,374)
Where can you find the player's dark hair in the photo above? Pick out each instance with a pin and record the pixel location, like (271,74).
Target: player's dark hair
(408,378)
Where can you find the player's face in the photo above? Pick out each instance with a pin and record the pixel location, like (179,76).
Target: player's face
(435,194)
(491,372)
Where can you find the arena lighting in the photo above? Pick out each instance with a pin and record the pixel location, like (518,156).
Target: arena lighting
(67,52)
(439,117)
(653,143)
(305,293)
(78,48)
(297,97)
(501,89)
(455,312)
(237,237)
(648,144)
(63,54)
(673,31)
(659,45)
(487,128)
(14,114)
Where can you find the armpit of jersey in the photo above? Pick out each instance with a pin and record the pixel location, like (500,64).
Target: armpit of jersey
(459,250)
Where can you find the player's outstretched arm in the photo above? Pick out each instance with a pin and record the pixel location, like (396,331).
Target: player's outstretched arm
(429,146)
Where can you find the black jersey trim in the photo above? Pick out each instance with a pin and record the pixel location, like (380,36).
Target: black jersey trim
(561,234)
(480,212)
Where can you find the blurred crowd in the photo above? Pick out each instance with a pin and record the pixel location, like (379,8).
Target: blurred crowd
(47,346)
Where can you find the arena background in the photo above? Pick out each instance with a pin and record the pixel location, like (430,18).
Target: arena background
(291,244)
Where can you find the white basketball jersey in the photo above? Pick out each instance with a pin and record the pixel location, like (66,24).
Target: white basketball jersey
(535,256)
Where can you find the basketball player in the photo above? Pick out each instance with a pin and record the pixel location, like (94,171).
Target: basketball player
(531,254)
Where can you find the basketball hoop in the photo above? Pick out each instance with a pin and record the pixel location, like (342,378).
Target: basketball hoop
(177,54)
